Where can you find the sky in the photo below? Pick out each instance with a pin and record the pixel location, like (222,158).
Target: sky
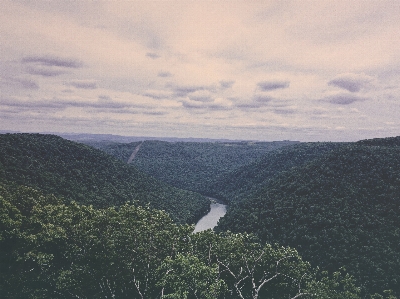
(309,70)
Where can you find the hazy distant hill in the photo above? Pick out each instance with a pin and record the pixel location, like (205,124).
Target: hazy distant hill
(190,165)
(340,209)
(390,141)
(89,176)
(84,137)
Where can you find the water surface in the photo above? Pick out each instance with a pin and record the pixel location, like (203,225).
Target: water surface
(211,219)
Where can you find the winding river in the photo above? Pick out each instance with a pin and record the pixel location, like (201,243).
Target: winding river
(211,219)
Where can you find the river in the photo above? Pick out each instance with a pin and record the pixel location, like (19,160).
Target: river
(217,210)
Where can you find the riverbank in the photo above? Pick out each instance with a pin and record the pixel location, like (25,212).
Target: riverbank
(209,221)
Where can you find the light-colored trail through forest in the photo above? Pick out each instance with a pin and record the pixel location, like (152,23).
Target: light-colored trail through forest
(134,153)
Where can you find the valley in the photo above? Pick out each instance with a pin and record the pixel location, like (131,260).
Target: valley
(335,205)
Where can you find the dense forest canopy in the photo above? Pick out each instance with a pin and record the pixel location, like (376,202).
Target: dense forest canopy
(51,250)
(242,180)
(89,176)
(341,209)
(189,165)
(78,222)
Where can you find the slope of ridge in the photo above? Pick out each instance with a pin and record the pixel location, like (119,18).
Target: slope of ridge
(248,178)
(190,165)
(89,176)
(389,141)
(121,151)
(342,209)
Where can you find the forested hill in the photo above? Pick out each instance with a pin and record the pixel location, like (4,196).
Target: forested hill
(341,209)
(248,178)
(52,250)
(190,165)
(121,151)
(389,141)
(89,176)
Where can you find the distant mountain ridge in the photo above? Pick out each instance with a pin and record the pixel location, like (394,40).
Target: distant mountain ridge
(127,139)
(390,141)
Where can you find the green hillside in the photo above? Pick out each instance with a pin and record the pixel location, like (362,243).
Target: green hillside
(89,176)
(341,209)
(190,165)
(121,151)
(389,141)
(51,250)
(243,180)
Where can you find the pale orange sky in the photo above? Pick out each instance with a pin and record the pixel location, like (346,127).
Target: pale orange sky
(267,70)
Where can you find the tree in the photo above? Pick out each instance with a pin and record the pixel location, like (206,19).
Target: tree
(188,277)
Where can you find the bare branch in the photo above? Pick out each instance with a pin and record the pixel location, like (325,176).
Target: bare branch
(302,294)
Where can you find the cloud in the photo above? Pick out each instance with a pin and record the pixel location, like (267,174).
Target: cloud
(61,104)
(83,84)
(157,94)
(285,111)
(45,72)
(104,98)
(203,99)
(319,111)
(262,99)
(164,74)
(351,82)
(49,61)
(184,90)
(154,112)
(28,84)
(164,63)
(49,66)
(20,82)
(29,105)
(152,55)
(248,104)
(192,105)
(226,84)
(272,85)
(202,96)
(213,107)
(215,104)
(344,99)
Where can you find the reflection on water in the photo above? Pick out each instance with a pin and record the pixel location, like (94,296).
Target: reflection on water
(211,219)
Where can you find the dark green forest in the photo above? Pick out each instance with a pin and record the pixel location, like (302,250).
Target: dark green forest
(341,209)
(190,165)
(88,176)
(242,180)
(308,220)
(50,249)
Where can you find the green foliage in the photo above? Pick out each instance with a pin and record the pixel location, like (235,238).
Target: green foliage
(190,165)
(341,209)
(390,141)
(76,251)
(89,176)
(185,276)
(71,234)
(121,151)
(250,177)
(57,250)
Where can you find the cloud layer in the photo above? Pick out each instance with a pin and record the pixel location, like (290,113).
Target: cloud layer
(266,70)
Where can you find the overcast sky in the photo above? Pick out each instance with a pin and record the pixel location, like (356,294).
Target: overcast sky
(267,70)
